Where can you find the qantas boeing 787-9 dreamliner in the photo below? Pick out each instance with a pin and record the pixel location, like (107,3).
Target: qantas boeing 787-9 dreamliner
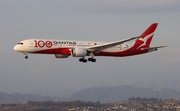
(66,48)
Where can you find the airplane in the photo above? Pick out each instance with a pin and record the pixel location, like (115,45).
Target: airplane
(66,48)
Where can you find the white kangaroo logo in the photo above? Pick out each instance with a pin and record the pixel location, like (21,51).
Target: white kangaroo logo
(144,40)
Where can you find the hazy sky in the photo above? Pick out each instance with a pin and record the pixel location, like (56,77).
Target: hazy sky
(96,20)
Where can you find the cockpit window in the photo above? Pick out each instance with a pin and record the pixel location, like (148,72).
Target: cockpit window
(20,43)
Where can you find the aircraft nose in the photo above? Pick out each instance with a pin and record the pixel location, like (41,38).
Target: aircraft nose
(15,48)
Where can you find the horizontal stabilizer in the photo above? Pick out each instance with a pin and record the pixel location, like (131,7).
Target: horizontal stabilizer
(151,48)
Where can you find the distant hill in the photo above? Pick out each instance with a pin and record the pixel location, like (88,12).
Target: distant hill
(113,94)
(20,98)
(169,83)
(102,94)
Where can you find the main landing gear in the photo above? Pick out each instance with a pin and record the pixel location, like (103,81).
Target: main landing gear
(92,59)
(85,60)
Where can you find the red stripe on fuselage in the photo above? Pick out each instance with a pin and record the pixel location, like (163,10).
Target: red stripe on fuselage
(54,51)
(66,51)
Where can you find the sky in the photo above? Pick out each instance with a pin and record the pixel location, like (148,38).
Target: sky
(96,20)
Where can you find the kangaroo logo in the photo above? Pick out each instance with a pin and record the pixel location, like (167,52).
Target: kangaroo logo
(145,39)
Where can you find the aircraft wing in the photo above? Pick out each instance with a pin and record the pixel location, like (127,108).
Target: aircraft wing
(97,48)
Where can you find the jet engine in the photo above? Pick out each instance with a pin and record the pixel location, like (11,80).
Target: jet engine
(61,56)
(79,52)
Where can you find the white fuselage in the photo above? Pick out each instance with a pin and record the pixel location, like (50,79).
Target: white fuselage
(33,45)
(66,48)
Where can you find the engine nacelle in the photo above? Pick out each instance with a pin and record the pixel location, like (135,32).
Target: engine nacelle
(61,56)
(79,52)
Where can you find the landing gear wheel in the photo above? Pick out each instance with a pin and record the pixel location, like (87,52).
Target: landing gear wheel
(92,59)
(26,57)
(81,60)
(85,60)
(89,59)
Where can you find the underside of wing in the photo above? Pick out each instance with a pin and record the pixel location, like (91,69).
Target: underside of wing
(108,45)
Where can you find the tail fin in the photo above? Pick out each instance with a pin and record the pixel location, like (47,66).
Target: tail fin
(145,39)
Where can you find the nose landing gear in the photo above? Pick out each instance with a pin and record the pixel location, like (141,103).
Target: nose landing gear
(26,55)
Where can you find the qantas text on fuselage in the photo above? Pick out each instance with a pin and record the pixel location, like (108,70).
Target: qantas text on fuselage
(81,49)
